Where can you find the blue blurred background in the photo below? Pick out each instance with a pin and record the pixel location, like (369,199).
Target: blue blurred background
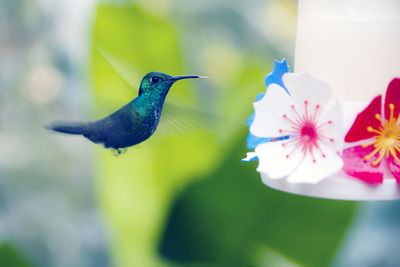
(183,198)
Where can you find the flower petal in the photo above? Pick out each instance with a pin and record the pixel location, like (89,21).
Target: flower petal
(313,172)
(305,87)
(274,161)
(356,166)
(394,168)
(269,112)
(393,97)
(358,130)
(253,141)
(332,132)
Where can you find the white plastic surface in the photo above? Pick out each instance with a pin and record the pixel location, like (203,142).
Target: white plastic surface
(339,186)
(352,44)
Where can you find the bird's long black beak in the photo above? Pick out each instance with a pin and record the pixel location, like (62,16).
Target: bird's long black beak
(177,78)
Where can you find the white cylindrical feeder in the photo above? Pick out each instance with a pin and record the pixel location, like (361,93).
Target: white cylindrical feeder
(353,44)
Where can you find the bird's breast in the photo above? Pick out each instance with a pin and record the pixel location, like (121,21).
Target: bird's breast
(150,120)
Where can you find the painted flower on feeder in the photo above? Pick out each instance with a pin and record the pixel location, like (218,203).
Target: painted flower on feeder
(379,132)
(312,122)
(275,77)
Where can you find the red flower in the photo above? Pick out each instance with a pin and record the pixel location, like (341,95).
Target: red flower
(381,132)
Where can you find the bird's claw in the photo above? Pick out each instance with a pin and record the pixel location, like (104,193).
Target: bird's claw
(119,151)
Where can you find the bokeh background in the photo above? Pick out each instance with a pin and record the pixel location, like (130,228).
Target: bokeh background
(183,198)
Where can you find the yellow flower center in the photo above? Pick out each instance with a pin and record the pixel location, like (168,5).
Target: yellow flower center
(387,140)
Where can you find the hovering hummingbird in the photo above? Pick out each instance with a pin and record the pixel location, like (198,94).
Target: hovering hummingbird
(133,123)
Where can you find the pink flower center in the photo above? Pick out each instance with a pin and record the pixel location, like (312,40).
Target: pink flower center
(305,131)
(308,133)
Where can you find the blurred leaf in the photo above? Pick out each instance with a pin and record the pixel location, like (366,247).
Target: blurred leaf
(206,225)
(10,257)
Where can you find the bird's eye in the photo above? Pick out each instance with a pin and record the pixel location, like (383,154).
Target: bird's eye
(155,79)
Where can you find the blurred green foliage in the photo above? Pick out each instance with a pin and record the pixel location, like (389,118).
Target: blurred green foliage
(10,257)
(186,199)
(229,216)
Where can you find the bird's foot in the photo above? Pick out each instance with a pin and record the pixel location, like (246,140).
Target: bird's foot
(119,151)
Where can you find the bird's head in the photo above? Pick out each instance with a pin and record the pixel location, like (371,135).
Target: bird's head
(158,83)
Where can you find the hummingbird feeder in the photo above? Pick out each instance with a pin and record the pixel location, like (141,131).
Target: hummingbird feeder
(331,129)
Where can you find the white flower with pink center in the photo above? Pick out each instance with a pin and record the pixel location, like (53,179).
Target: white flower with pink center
(311,120)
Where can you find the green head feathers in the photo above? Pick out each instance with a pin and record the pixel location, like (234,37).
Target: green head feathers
(158,83)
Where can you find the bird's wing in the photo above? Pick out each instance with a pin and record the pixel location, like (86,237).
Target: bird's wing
(128,74)
(111,130)
(103,130)
(179,119)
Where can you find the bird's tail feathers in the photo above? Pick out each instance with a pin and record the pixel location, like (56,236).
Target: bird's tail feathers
(68,127)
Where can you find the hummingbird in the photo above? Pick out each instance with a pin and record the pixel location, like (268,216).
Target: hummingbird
(133,123)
